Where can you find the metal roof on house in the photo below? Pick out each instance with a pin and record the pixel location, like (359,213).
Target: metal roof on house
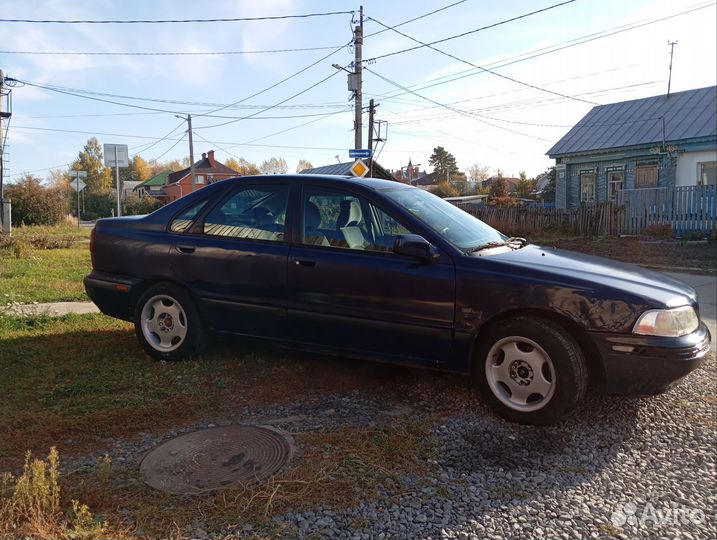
(343,169)
(691,114)
(156,181)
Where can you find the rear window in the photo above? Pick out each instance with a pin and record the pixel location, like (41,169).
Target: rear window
(182,222)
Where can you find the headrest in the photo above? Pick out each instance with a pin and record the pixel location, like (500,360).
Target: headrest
(312,216)
(262,216)
(349,214)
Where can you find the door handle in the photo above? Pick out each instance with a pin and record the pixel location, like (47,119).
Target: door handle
(305,262)
(185,248)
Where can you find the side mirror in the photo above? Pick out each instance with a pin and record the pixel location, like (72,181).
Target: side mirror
(413,245)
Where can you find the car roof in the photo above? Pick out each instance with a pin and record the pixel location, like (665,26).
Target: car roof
(377,184)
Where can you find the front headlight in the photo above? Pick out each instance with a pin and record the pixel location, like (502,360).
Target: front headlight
(667,322)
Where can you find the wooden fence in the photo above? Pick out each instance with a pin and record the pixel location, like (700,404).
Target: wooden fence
(688,210)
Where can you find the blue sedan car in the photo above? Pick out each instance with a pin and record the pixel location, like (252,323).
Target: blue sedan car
(376,269)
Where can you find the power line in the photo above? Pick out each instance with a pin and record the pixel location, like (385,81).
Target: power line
(175,21)
(176,101)
(486,70)
(272,106)
(551,49)
(417,18)
(463,34)
(302,70)
(157,110)
(131,136)
(170,53)
(459,111)
(168,149)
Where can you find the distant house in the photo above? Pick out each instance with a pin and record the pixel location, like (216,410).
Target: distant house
(206,171)
(426,181)
(343,169)
(154,187)
(662,143)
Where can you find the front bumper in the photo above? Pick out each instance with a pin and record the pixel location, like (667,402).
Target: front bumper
(636,364)
(112,294)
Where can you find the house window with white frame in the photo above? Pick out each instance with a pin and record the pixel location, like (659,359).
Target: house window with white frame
(199,179)
(587,187)
(708,173)
(615,180)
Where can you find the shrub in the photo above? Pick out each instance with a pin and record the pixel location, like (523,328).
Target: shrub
(134,206)
(35,204)
(503,201)
(659,231)
(30,504)
(444,190)
(97,206)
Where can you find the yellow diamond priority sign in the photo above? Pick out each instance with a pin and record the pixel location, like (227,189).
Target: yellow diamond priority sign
(359,168)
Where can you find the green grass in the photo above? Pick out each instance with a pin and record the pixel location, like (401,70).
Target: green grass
(54,231)
(44,275)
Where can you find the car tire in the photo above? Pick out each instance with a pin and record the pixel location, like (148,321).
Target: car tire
(530,370)
(168,324)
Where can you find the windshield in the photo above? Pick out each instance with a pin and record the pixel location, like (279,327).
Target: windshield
(458,227)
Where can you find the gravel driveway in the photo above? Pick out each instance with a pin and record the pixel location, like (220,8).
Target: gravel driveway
(628,468)
(617,467)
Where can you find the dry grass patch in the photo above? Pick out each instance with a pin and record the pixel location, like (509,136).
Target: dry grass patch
(77,382)
(334,469)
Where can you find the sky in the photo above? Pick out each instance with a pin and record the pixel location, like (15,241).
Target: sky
(499,97)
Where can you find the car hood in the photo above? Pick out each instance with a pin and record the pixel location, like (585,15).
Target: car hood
(576,269)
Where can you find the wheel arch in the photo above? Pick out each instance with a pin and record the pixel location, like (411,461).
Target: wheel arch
(588,347)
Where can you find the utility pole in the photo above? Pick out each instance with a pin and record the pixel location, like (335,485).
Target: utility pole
(672,52)
(358,94)
(4,205)
(371,111)
(191,149)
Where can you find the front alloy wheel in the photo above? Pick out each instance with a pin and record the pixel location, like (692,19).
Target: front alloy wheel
(530,370)
(520,373)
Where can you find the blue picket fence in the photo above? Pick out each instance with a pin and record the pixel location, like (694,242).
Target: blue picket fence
(687,209)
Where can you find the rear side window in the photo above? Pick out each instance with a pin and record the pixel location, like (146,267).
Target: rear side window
(182,222)
(252,213)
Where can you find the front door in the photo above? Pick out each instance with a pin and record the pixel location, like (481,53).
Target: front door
(234,260)
(350,292)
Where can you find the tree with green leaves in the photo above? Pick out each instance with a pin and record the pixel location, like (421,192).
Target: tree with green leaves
(444,164)
(99,178)
(274,166)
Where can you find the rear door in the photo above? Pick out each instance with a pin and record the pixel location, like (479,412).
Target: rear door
(234,260)
(350,292)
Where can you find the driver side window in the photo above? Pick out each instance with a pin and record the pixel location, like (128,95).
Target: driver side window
(343,220)
(253,213)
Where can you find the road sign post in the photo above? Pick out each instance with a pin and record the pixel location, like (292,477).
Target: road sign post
(117,155)
(78,185)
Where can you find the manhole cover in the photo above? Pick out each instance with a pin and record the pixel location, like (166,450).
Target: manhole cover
(216,458)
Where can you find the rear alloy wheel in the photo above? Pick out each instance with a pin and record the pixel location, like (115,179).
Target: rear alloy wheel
(530,371)
(167,323)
